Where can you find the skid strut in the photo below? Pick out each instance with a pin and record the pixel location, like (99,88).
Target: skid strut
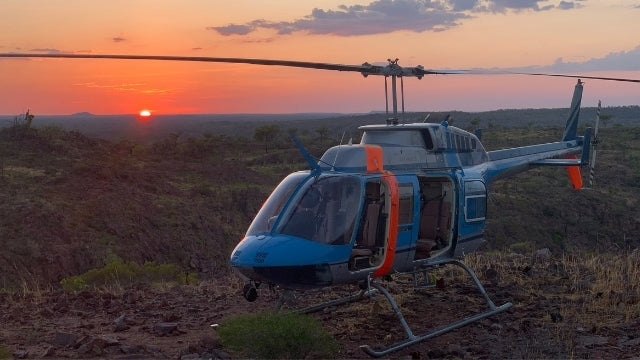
(413,339)
(364,293)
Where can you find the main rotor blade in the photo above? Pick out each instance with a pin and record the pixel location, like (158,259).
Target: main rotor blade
(507,72)
(581,77)
(366,69)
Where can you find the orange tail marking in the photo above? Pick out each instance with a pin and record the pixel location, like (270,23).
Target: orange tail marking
(574,174)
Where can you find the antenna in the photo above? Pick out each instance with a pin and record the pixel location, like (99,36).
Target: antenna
(333,166)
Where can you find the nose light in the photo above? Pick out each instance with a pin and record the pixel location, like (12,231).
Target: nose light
(250,292)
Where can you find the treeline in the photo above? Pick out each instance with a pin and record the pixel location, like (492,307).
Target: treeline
(119,127)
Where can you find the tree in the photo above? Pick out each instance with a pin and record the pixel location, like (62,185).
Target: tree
(323,131)
(605,118)
(266,133)
(475,122)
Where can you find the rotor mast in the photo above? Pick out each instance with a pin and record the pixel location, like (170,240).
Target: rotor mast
(394,71)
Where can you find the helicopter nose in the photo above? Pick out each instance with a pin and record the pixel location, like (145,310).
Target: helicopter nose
(286,260)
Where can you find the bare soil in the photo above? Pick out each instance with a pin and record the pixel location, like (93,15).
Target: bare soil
(554,315)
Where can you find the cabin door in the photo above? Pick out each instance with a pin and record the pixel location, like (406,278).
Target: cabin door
(436,214)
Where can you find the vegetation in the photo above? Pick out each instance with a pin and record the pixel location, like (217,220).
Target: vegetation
(5,353)
(117,273)
(68,200)
(277,335)
(83,213)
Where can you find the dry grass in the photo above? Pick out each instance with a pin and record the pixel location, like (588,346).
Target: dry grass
(581,295)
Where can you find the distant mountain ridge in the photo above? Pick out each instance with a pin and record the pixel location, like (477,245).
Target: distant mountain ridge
(127,126)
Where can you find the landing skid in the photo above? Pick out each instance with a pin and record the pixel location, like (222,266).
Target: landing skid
(373,288)
(413,339)
(288,296)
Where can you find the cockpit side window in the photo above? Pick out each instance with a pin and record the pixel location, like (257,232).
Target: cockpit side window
(325,212)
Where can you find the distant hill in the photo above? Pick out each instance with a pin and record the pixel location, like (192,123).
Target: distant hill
(118,127)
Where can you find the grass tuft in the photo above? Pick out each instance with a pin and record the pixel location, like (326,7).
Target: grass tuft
(5,353)
(277,335)
(120,273)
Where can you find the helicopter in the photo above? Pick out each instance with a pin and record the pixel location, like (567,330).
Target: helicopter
(408,199)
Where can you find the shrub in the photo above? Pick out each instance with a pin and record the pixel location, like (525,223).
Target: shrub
(277,335)
(118,272)
(5,353)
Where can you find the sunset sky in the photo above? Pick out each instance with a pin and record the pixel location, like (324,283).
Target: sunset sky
(593,37)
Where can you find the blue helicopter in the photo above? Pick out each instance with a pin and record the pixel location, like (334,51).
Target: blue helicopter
(409,198)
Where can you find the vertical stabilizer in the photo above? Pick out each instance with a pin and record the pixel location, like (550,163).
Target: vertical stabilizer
(572,122)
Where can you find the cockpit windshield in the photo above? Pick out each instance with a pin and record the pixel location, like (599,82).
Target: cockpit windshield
(269,212)
(325,211)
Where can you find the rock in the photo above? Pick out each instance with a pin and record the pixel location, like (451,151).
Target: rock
(153,349)
(21,354)
(491,275)
(190,357)
(64,339)
(170,316)
(208,342)
(556,317)
(630,342)
(49,351)
(120,324)
(165,328)
(219,354)
(133,357)
(131,349)
(590,341)
(95,345)
(543,254)
(456,351)
(436,354)
(111,341)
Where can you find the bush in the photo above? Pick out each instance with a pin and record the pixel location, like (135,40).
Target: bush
(5,353)
(277,335)
(118,272)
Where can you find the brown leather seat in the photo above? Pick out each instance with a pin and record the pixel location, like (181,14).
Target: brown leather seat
(365,246)
(434,224)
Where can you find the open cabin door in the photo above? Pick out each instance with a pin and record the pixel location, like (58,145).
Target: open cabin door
(436,214)
(377,228)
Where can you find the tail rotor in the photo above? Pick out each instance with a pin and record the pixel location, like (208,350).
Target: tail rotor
(594,144)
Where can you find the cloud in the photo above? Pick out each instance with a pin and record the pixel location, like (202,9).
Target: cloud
(384,16)
(118,39)
(615,61)
(233,29)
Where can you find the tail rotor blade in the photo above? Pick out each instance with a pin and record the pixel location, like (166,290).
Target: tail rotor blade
(594,144)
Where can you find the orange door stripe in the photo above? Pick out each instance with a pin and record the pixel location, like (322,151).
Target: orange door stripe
(392,234)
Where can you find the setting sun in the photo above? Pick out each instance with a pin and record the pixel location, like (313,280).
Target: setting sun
(145,113)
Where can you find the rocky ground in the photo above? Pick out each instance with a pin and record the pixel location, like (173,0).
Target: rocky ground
(563,308)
